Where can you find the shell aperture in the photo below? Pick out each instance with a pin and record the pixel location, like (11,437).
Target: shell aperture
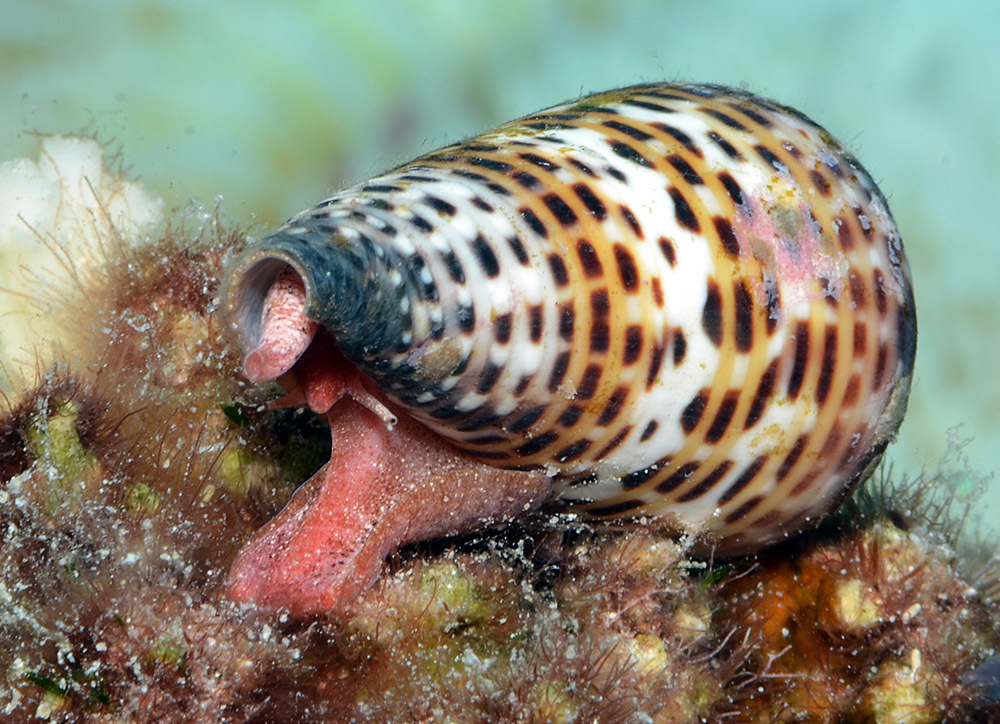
(674,300)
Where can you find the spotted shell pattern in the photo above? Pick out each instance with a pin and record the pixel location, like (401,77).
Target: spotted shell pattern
(678,300)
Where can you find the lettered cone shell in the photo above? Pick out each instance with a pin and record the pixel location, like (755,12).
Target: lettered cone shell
(678,301)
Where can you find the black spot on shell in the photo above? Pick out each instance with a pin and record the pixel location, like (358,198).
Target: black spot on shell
(447,413)
(535,320)
(632,131)
(613,406)
(481,204)
(471,175)
(881,362)
(725,118)
(533,222)
(567,320)
(588,384)
(864,221)
(583,167)
(800,359)
(693,411)
(743,480)
(538,161)
(421,223)
(708,483)
(630,219)
(860,338)
(633,345)
(440,205)
(744,316)
(466,315)
(600,336)
(772,303)
(570,415)
(589,260)
(829,364)
(667,248)
(678,477)
(558,267)
(491,164)
(881,297)
(647,105)
(487,258)
(793,455)
(563,213)
(488,378)
(666,95)
(732,188)
(454,266)
(680,346)
(502,328)
(519,251)
(723,417)
(744,509)
(681,137)
(685,170)
(627,270)
(711,315)
(762,396)
(559,368)
(754,115)
(771,158)
(600,304)
(657,290)
(655,360)
(726,146)
(820,182)
(682,211)
(526,419)
(527,180)
(615,442)
(648,432)
(537,444)
(573,451)
(484,416)
(844,233)
(637,477)
(729,242)
(629,154)
(590,200)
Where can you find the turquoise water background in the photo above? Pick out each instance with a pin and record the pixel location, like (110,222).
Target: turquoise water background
(271,105)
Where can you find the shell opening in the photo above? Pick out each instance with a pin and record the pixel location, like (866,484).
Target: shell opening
(246,295)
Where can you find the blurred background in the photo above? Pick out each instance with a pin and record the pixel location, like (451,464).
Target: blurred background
(271,105)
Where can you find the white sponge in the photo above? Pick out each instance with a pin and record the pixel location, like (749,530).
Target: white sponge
(56,215)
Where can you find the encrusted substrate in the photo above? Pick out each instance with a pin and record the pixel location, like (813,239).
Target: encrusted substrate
(130,476)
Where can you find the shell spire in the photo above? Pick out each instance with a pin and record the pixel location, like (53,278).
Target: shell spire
(676,300)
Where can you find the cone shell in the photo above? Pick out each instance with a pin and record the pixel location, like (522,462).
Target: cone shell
(681,301)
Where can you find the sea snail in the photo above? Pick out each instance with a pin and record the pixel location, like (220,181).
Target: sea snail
(679,302)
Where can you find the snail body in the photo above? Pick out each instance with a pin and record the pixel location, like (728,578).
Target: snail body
(674,301)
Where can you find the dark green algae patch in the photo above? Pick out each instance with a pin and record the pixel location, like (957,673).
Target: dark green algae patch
(134,470)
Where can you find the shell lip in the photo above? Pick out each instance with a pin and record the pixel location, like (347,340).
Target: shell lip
(247,283)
